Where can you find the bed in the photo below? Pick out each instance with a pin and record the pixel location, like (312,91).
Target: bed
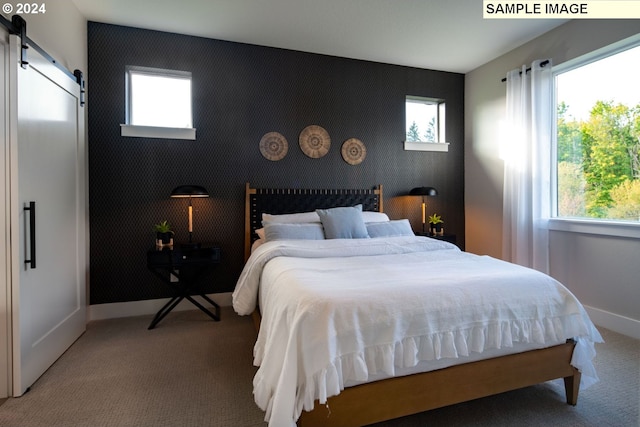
(354,331)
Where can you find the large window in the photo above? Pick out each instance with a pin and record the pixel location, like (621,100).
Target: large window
(158,103)
(598,136)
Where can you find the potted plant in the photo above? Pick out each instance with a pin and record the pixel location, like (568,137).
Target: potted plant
(435,224)
(164,235)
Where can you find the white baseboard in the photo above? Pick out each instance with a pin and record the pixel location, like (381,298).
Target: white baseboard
(615,322)
(141,308)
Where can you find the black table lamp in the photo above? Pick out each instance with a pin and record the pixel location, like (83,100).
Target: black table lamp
(190,191)
(423,191)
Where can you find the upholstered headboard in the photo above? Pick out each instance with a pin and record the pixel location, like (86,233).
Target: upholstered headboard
(293,200)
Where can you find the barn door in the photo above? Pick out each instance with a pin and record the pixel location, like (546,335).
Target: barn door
(47,207)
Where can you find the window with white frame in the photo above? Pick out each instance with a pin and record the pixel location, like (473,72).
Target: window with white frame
(598,136)
(425,123)
(158,103)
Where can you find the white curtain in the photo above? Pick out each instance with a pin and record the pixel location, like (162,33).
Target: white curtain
(527,169)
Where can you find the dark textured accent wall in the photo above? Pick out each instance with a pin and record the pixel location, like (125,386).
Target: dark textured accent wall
(241,92)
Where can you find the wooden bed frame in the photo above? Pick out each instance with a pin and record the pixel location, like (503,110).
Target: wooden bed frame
(400,396)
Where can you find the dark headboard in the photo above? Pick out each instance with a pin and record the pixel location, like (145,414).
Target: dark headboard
(293,200)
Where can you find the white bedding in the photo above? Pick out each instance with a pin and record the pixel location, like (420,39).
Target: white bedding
(340,311)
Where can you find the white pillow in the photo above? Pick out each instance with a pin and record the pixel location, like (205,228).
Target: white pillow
(367,216)
(370,216)
(291,218)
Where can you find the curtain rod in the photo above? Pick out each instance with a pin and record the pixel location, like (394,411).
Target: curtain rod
(542,64)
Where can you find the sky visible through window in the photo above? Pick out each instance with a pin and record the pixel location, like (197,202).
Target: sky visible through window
(611,79)
(420,113)
(597,139)
(160,101)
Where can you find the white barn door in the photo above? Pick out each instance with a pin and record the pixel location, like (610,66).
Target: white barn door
(47,215)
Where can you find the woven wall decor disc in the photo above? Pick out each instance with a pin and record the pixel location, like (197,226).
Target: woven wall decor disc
(353,151)
(274,146)
(314,141)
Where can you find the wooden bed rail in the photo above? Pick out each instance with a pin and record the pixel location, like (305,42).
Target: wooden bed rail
(392,398)
(397,397)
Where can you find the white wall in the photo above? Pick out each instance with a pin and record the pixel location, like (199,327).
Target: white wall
(603,272)
(61,31)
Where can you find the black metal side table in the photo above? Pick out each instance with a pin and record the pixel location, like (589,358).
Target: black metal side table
(186,265)
(451,238)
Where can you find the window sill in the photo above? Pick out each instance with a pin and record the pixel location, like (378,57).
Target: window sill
(157,132)
(426,146)
(602,228)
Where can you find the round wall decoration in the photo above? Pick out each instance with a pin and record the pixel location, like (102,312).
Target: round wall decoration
(314,141)
(353,151)
(274,146)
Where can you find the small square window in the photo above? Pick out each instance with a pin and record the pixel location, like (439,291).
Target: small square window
(425,124)
(158,103)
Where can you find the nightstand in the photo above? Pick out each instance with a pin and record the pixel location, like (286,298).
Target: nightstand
(451,238)
(180,268)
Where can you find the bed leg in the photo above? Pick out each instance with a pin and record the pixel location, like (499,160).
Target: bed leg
(255,315)
(572,387)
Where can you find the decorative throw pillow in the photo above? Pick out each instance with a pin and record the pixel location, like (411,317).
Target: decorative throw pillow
(399,227)
(343,223)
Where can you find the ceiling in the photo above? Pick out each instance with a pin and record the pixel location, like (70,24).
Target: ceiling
(439,35)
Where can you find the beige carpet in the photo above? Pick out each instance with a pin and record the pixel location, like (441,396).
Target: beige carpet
(188,371)
(191,371)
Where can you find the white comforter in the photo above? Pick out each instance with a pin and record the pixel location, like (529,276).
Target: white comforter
(340,310)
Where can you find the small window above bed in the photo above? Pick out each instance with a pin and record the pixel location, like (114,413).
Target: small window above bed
(425,124)
(158,104)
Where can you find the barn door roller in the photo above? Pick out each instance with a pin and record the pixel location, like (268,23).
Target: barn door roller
(20,28)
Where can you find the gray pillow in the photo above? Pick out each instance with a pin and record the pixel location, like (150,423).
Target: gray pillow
(295,231)
(343,223)
(399,227)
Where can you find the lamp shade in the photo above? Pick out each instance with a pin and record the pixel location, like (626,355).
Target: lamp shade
(189,191)
(423,191)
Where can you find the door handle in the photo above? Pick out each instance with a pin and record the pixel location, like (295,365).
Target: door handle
(32,234)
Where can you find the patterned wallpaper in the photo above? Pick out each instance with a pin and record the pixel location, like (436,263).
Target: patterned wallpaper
(240,93)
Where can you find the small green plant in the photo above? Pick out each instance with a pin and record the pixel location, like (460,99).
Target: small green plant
(163,227)
(435,219)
